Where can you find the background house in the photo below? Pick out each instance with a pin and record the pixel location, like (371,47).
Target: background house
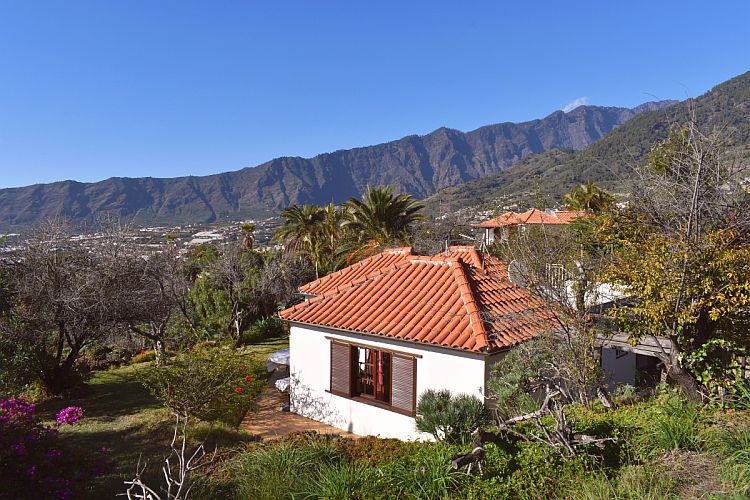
(499,226)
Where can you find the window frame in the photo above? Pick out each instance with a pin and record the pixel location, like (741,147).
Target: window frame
(370,400)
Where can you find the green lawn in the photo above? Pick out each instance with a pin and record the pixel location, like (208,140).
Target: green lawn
(122,417)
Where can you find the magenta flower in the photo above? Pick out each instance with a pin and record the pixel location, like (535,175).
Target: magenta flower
(69,415)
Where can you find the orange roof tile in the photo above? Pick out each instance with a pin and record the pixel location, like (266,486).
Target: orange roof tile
(533,216)
(386,259)
(444,300)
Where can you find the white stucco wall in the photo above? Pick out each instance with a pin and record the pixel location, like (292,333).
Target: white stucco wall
(438,368)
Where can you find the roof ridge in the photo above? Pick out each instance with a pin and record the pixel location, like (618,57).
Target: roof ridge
(470,303)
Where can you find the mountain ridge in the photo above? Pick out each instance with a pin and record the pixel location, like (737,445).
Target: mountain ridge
(419,165)
(609,161)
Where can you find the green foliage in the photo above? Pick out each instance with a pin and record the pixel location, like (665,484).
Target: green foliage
(679,427)
(143,357)
(381,217)
(206,383)
(283,470)
(588,197)
(423,474)
(510,382)
(264,329)
(634,482)
(17,373)
(211,308)
(342,481)
(739,394)
(451,418)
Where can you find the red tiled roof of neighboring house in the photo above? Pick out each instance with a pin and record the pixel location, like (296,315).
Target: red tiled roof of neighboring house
(533,216)
(444,300)
(386,259)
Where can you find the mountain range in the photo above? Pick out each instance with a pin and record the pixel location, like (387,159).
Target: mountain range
(420,165)
(608,162)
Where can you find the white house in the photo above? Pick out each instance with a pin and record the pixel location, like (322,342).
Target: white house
(372,337)
(499,226)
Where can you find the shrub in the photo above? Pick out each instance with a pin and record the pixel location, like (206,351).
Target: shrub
(17,374)
(285,469)
(634,482)
(680,425)
(33,462)
(426,473)
(264,329)
(734,445)
(450,418)
(371,450)
(739,394)
(342,481)
(212,384)
(143,357)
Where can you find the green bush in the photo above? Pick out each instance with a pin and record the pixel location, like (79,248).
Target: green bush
(285,469)
(451,418)
(634,482)
(426,473)
(143,357)
(211,384)
(739,394)
(264,329)
(679,426)
(341,481)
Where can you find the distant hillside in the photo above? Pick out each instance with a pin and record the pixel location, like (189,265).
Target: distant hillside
(419,165)
(609,161)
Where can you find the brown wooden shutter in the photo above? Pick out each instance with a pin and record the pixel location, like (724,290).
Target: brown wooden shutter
(341,368)
(404,383)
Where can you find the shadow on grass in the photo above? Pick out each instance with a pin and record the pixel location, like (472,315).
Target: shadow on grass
(109,395)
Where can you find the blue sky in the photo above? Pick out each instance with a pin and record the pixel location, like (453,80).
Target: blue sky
(90,90)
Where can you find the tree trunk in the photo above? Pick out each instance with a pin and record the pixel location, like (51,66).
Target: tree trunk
(682,377)
(159,351)
(60,380)
(238,330)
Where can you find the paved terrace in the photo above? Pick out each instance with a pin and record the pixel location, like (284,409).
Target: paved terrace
(269,422)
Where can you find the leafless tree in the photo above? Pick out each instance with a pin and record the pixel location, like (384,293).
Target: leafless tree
(154,290)
(560,268)
(65,296)
(177,469)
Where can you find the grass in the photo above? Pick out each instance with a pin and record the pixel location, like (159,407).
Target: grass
(120,416)
(123,417)
(666,448)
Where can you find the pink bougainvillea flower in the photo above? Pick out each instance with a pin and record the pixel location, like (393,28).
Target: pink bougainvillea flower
(69,415)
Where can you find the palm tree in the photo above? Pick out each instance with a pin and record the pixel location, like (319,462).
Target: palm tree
(313,231)
(301,227)
(248,229)
(381,217)
(588,197)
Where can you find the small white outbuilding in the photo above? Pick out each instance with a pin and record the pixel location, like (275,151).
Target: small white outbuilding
(372,337)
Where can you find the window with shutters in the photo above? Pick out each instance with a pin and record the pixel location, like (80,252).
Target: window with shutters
(384,378)
(372,374)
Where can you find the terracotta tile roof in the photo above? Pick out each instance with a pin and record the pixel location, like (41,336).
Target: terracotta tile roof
(533,216)
(444,300)
(386,259)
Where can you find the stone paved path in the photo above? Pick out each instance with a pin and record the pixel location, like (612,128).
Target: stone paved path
(269,422)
